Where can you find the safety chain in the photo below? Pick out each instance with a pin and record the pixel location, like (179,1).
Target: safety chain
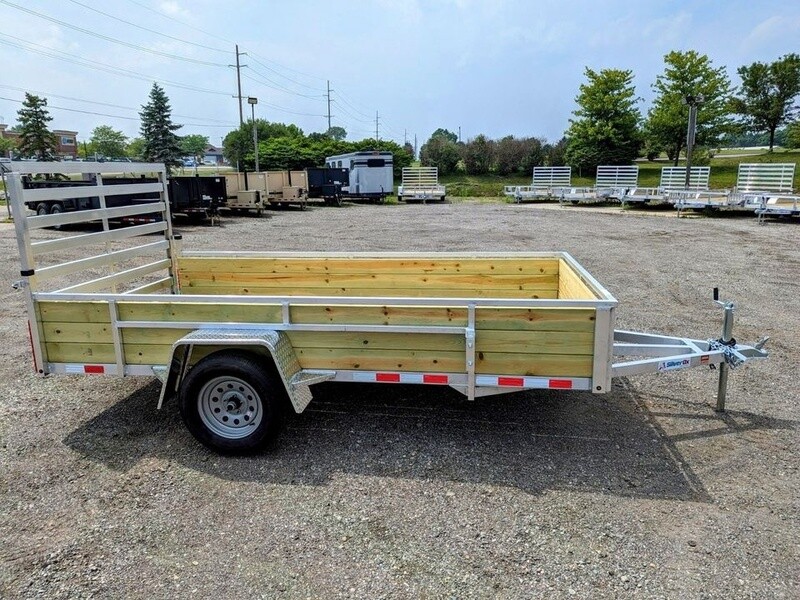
(727,351)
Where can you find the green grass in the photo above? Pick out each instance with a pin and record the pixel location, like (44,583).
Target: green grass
(723,175)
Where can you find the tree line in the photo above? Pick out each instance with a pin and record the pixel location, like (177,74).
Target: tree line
(608,127)
(280,145)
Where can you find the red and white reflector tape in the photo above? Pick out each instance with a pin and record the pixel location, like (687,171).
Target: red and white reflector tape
(394,377)
(85,369)
(547,383)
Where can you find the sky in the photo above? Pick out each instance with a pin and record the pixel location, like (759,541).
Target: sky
(495,67)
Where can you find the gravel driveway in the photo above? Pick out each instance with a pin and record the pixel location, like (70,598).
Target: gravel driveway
(413,492)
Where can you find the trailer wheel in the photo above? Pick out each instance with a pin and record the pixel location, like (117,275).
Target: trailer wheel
(41,209)
(231,403)
(56,209)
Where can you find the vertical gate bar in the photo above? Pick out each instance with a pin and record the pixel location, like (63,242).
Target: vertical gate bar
(470,349)
(19,211)
(603,350)
(119,354)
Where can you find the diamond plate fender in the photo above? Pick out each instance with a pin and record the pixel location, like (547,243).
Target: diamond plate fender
(294,378)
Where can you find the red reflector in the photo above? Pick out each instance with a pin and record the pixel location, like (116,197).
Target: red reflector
(440,379)
(94,369)
(388,377)
(511,381)
(561,384)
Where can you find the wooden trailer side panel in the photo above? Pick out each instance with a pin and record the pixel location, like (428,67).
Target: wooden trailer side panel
(546,342)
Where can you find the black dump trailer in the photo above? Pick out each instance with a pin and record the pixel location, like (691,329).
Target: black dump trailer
(197,197)
(327,183)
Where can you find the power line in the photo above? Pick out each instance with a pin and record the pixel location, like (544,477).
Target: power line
(111,39)
(170,37)
(87,112)
(268,68)
(171,18)
(277,86)
(224,39)
(99,66)
(83,100)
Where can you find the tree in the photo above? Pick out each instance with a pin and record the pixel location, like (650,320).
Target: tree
(409,148)
(606,128)
(6,146)
(194,145)
(238,144)
(135,149)
(767,95)
(161,143)
(555,155)
(108,142)
(35,138)
(337,133)
(793,135)
(448,135)
(688,74)
(440,151)
(478,155)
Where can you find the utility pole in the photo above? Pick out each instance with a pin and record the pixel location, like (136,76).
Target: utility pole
(239,84)
(459,133)
(377,136)
(415,146)
(329,104)
(405,136)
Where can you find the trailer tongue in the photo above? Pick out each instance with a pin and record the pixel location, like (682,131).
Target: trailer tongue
(240,336)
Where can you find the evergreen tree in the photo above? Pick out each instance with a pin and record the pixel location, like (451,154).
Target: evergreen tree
(161,143)
(35,138)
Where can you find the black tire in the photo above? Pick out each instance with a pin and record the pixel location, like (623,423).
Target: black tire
(56,209)
(399,198)
(42,209)
(251,397)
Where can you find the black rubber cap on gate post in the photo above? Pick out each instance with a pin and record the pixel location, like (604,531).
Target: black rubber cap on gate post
(26,273)
(716,293)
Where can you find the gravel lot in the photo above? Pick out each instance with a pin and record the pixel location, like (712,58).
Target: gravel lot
(412,492)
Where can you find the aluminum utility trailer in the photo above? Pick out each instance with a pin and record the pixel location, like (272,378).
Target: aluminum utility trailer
(611,183)
(421,184)
(240,337)
(775,198)
(754,182)
(546,182)
(671,187)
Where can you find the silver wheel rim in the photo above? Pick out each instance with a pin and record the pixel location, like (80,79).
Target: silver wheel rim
(230,407)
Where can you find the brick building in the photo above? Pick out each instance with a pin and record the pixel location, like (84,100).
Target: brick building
(66,141)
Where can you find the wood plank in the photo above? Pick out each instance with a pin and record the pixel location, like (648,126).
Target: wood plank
(135,354)
(100,333)
(199,311)
(74,312)
(379,315)
(399,342)
(535,342)
(570,285)
(372,280)
(380,360)
(224,289)
(535,319)
(544,365)
(497,266)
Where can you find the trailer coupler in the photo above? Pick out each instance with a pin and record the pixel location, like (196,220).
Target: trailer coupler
(658,353)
